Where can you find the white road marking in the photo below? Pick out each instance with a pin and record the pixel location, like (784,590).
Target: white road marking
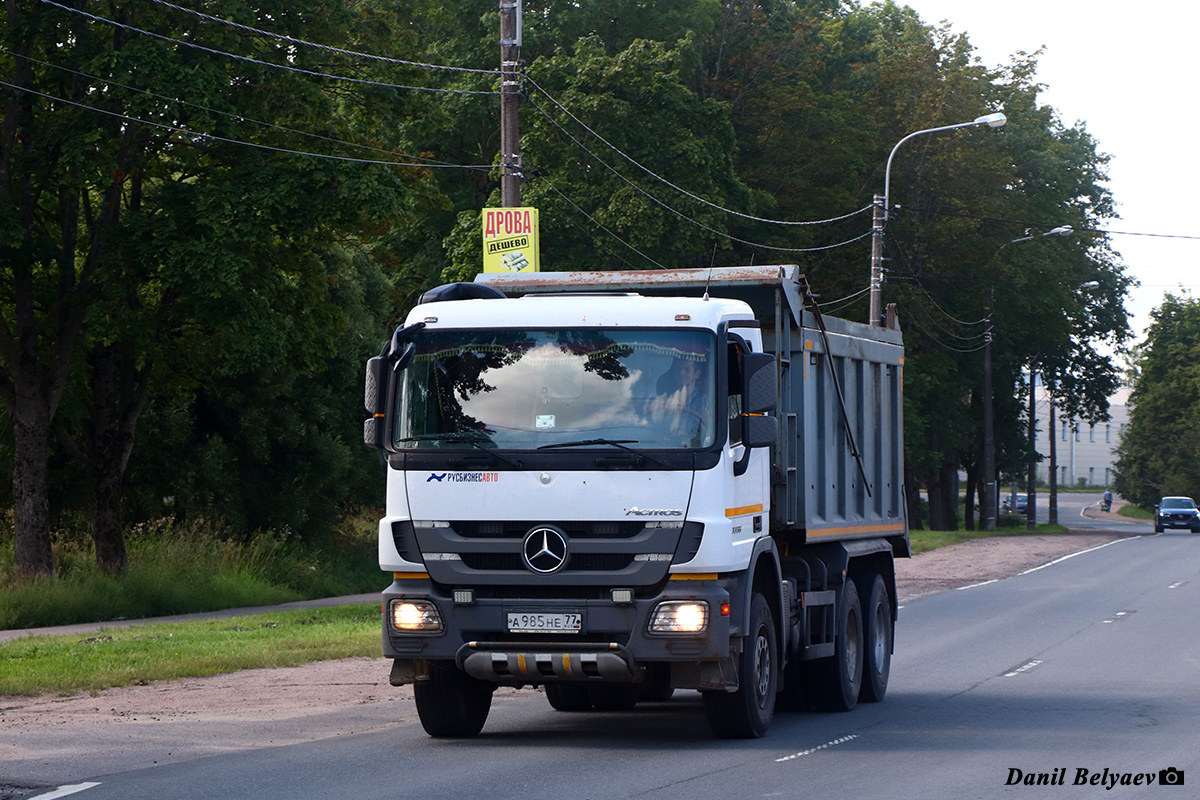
(1081,552)
(1024,668)
(63,791)
(1176,585)
(977,585)
(825,746)
(1117,617)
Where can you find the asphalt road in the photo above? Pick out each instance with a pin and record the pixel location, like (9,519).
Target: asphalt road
(1086,665)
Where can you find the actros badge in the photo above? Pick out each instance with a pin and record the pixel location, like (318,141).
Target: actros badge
(545,550)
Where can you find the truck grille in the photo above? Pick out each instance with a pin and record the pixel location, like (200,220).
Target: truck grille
(472,553)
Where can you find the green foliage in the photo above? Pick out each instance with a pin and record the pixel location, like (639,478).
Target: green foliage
(1157,454)
(177,569)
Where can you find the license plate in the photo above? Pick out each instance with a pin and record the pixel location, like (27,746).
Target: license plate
(539,622)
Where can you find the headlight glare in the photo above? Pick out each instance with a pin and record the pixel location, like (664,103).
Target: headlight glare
(679,616)
(415,616)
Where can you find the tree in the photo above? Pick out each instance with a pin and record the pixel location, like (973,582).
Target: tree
(1156,456)
(149,226)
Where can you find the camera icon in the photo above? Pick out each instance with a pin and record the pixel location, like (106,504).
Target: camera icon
(1170,777)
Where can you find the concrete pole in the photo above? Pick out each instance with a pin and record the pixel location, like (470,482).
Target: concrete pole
(988,500)
(510,86)
(876,309)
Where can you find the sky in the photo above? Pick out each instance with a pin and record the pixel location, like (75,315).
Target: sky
(1128,73)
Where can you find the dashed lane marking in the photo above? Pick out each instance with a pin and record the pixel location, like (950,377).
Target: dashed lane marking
(810,751)
(63,791)
(1024,668)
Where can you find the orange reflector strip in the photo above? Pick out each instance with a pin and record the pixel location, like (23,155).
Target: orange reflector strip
(694,576)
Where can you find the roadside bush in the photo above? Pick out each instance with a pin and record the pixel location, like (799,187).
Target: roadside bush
(185,568)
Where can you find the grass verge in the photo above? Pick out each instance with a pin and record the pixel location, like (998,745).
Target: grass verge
(1135,512)
(931,540)
(144,653)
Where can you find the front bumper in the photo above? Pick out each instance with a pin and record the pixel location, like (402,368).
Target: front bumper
(1189,521)
(613,644)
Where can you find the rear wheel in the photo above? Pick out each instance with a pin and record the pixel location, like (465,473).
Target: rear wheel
(568,696)
(747,712)
(838,679)
(451,703)
(877,636)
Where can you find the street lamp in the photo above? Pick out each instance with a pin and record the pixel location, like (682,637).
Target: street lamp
(883,206)
(1052,472)
(991,500)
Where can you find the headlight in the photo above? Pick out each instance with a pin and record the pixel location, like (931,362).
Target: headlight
(415,616)
(679,616)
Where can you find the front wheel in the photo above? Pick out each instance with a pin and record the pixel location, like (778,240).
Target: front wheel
(452,704)
(747,712)
(568,696)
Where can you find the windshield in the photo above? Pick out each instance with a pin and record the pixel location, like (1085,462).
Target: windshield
(1178,502)
(519,390)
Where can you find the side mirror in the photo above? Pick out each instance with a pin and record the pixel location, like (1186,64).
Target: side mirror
(759,431)
(378,386)
(760,390)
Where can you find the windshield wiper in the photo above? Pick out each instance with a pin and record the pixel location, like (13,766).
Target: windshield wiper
(621,443)
(465,437)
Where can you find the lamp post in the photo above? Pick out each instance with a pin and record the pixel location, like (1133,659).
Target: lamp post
(990,499)
(882,207)
(1052,473)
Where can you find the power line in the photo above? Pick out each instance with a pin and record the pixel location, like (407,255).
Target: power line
(680,214)
(325,47)
(200,135)
(1048,225)
(661,179)
(256,62)
(237,117)
(599,224)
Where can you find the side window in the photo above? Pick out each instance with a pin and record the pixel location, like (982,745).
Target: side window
(736,351)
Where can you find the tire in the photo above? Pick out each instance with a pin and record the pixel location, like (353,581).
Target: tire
(747,712)
(614,696)
(877,636)
(452,704)
(837,681)
(1158,528)
(657,686)
(568,696)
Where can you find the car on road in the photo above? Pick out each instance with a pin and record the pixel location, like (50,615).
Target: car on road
(1022,503)
(1176,512)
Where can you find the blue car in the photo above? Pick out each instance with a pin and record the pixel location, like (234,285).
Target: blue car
(1176,512)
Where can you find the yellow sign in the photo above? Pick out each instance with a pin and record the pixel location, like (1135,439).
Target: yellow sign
(510,240)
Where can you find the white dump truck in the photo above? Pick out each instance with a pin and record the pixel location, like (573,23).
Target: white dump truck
(613,485)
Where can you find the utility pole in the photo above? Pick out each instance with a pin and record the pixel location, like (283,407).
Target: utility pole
(510,85)
(1031,477)
(990,486)
(877,220)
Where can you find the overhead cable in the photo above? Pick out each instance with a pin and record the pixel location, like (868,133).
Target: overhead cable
(239,117)
(598,223)
(683,216)
(325,47)
(200,135)
(285,67)
(661,179)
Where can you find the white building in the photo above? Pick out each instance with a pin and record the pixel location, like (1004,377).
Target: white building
(1086,453)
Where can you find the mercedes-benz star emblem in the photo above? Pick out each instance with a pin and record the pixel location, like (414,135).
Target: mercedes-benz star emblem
(544,550)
